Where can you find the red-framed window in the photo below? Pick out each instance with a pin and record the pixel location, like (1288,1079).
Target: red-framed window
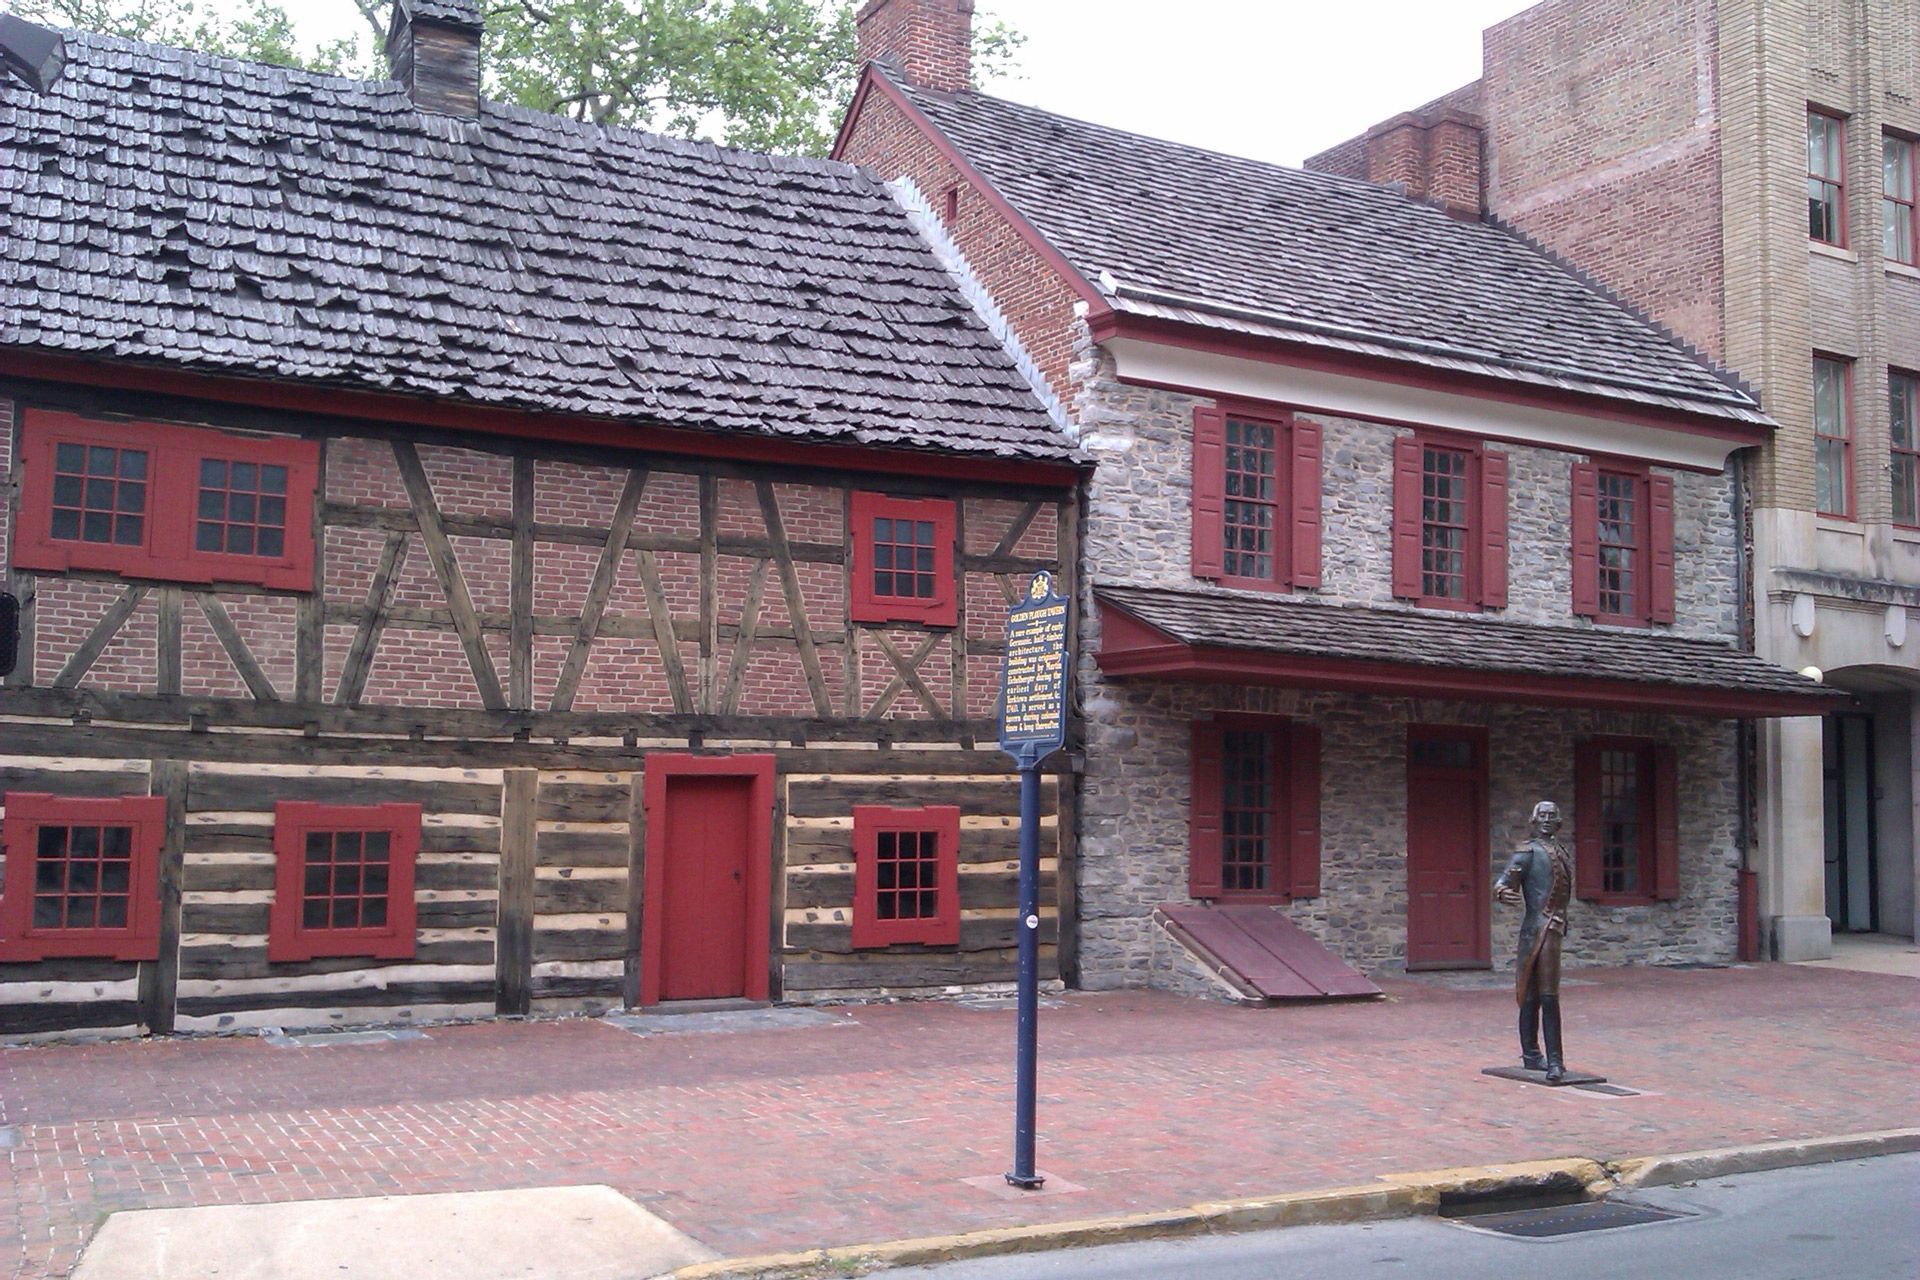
(1449,523)
(906,876)
(1256,498)
(1623,564)
(1903,417)
(1827,177)
(164,502)
(1254,811)
(1833,436)
(82,877)
(343,880)
(1900,199)
(903,560)
(1626,820)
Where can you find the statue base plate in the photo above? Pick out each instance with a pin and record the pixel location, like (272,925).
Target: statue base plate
(1526,1075)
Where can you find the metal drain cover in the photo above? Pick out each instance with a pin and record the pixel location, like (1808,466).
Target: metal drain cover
(1568,1219)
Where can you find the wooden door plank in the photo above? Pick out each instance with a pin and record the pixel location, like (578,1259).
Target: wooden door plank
(1298,950)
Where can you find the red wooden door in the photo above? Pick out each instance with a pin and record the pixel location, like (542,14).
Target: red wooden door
(1448,917)
(704,932)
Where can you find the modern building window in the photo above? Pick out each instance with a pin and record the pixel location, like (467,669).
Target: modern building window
(906,876)
(1903,415)
(1255,810)
(168,503)
(82,877)
(1256,498)
(1827,178)
(1625,820)
(903,560)
(1623,563)
(1833,436)
(343,880)
(1450,524)
(1900,200)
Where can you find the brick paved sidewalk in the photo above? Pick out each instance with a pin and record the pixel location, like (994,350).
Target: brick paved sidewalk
(865,1129)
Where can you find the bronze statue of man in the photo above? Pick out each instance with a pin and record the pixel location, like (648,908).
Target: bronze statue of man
(1541,877)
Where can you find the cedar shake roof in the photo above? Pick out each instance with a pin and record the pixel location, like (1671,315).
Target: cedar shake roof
(1176,232)
(459,13)
(1674,671)
(173,208)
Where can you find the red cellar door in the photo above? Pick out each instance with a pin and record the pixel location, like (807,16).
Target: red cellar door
(1448,916)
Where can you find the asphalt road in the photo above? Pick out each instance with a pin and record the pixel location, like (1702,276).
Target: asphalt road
(1859,1220)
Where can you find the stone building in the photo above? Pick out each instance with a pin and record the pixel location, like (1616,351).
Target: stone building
(472,561)
(1396,526)
(1745,172)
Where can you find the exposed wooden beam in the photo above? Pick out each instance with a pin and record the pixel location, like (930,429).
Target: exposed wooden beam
(520,589)
(447,567)
(236,647)
(82,659)
(744,642)
(359,662)
(663,633)
(796,601)
(907,675)
(595,605)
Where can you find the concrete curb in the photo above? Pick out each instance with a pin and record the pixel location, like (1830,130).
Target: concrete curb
(1394,1196)
(1724,1162)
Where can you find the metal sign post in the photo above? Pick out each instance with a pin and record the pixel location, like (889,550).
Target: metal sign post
(1033,725)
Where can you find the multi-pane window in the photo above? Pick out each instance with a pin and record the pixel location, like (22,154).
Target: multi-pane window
(1250,822)
(99,494)
(1900,200)
(903,552)
(165,503)
(903,559)
(1446,523)
(343,883)
(906,868)
(1826,178)
(1623,821)
(906,876)
(1621,515)
(1833,437)
(1251,510)
(242,509)
(82,877)
(1903,415)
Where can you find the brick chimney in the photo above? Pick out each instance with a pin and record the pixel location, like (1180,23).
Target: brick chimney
(1436,152)
(434,49)
(928,41)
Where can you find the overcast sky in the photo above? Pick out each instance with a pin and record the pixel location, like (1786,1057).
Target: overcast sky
(1273,79)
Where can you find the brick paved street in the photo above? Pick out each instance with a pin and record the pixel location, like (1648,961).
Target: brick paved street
(831,1134)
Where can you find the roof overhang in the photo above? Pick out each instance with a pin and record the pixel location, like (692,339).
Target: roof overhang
(1132,648)
(1197,356)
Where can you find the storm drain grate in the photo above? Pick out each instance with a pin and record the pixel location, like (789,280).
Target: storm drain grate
(1569,1219)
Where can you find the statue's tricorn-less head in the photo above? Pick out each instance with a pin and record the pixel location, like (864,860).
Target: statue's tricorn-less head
(1546,818)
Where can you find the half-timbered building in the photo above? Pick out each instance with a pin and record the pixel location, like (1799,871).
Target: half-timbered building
(1396,526)
(473,561)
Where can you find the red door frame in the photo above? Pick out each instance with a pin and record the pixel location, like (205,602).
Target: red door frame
(659,769)
(1476,737)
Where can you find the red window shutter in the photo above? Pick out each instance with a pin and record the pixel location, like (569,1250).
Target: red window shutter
(1587,879)
(1209,492)
(1660,547)
(1306,504)
(1493,529)
(1666,823)
(1203,813)
(1303,809)
(1586,540)
(1406,518)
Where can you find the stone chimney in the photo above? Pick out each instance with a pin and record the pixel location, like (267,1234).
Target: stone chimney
(928,41)
(434,49)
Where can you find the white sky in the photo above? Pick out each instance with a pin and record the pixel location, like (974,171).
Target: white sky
(1273,79)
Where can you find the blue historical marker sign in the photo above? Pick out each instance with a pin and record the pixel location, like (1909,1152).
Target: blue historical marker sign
(1033,675)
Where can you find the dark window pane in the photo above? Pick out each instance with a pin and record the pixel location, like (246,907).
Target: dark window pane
(213,505)
(46,913)
(207,537)
(66,525)
(101,462)
(53,842)
(83,877)
(314,914)
(213,473)
(115,877)
(128,531)
(243,475)
(319,846)
(373,913)
(273,511)
(240,507)
(240,539)
(85,842)
(346,846)
(374,882)
(70,458)
(346,913)
(272,543)
(116,842)
(318,879)
(376,846)
(133,464)
(346,878)
(67,490)
(273,479)
(133,498)
(79,913)
(113,913)
(50,875)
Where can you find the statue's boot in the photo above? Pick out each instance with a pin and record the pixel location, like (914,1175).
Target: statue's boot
(1550,1029)
(1530,1057)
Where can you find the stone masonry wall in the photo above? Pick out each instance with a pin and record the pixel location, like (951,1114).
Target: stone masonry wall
(1139,518)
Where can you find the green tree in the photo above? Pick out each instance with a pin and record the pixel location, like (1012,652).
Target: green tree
(773,75)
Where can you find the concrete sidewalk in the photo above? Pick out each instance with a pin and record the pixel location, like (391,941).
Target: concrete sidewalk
(796,1130)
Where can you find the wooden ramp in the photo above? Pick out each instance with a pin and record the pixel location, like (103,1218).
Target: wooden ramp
(1262,953)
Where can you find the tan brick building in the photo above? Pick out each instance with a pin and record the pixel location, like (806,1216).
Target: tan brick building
(1744,171)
